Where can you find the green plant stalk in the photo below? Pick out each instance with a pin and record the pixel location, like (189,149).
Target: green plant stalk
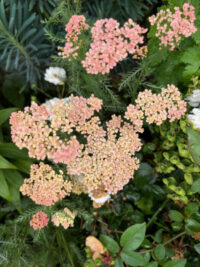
(66,249)
(156,213)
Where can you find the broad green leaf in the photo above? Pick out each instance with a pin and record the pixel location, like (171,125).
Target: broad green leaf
(158,236)
(160,252)
(191,208)
(15,194)
(4,164)
(4,190)
(176,216)
(194,144)
(175,263)
(146,244)
(197,248)
(176,226)
(13,178)
(192,225)
(119,263)
(9,150)
(133,237)
(196,186)
(5,114)
(110,243)
(152,264)
(23,165)
(132,258)
(147,257)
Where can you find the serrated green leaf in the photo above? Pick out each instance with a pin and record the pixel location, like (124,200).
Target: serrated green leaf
(175,263)
(176,216)
(160,252)
(133,237)
(110,243)
(152,264)
(158,236)
(192,225)
(132,258)
(119,263)
(191,208)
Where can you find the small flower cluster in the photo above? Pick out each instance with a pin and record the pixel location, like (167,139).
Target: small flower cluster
(44,186)
(31,130)
(104,162)
(173,26)
(39,220)
(157,108)
(64,218)
(107,162)
(74,28)
(111,44)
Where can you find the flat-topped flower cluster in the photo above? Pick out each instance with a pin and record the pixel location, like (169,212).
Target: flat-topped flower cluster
(110,43)
(173,26)
(96,160)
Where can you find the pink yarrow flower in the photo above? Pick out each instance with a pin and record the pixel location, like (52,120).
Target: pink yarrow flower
(173,26)
(39,220)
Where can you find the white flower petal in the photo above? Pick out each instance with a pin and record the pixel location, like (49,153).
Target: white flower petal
(55,75)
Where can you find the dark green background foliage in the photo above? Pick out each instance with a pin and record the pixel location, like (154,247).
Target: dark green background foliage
(157,213)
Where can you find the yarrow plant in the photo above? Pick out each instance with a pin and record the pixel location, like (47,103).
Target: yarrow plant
(74,28)
(64,218)
(94,159)
(110,43)
(39,220)
(173,26)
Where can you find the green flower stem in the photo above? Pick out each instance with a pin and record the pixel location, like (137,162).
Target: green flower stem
(66,249)
(165,243)
(63,89)
(156,213)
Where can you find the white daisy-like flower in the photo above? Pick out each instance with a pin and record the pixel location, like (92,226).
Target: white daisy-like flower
(195,118)
(100,200)
(194,98)
(55,75)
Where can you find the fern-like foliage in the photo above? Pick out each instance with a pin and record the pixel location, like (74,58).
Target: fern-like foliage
(24,48)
